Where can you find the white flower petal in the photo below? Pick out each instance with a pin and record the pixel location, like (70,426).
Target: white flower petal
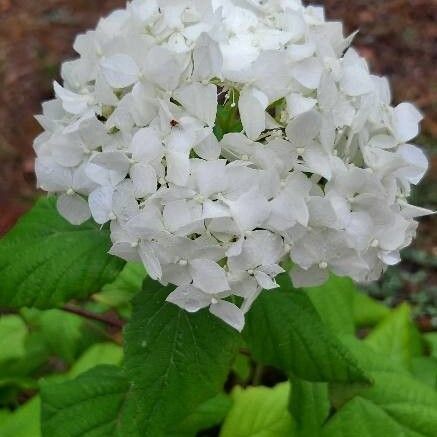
(73,208)
(356,81)
(298,104)
(120,70)
(406,119)
(189,298)
(72,102)
(250,210)
(302,130)
(209,148)
(178,167)
(208,276)
(313,277)
(417,163)
(229,313)
(199,100)
(100,203)
(308,72)
(150,260)
(252,105)
(144,180)
(265,281)
(146,146)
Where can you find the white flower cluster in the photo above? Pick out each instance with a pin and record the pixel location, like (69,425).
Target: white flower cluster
(319,172)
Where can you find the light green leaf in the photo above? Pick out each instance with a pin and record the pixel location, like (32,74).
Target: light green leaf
(45,261)
(396,336)
(175,360)
(361,418)
(13,332)
(396,404)
(260,412)
(334,302)
(62,332)
(370,359)
(367,311)
(119,293)
(284,330)
(24,422)
(96,404)
(409,402)
(96,355)
(309,405)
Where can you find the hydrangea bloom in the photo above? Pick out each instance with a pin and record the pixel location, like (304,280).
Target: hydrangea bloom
(318,171)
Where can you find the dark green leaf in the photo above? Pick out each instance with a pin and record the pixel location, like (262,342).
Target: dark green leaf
(45,261)
(283,329)
(174,359)
(228,119)
(96,404)
(309,405)
(207,415)
(425,370)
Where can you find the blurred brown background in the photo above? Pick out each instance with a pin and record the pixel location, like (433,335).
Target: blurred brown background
(398,37)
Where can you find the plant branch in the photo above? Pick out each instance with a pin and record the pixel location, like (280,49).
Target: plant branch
(111,320)
(258,374)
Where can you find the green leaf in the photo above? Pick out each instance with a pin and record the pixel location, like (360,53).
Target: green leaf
(396,404)
(13,332)
(174,359)
(396,336)
(242,367)
(62,332)
(431,343)
(334,302)
(367,311)
(260,412)
(425,370)
(362,418)
(370,359)
(119,293)
(228,119)
(207,415)
(309,405)
(45,261)
(284,330)
(96,404)
(24,422)
(96,355)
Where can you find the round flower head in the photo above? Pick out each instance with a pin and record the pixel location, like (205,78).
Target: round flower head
(221,137)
